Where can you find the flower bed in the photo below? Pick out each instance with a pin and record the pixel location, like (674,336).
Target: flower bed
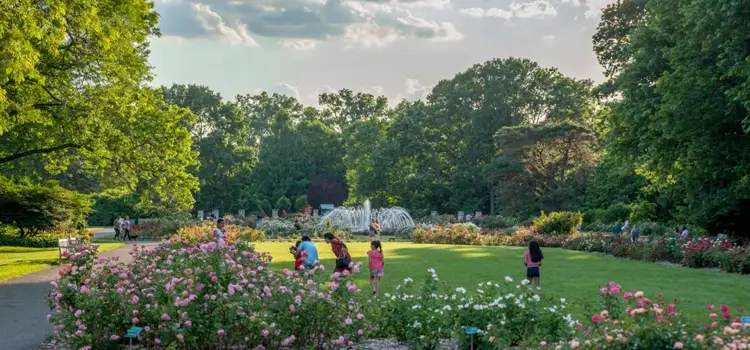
(214,295)
(204,296)
(695,252)
(203,233)
(506,314)
(631,320)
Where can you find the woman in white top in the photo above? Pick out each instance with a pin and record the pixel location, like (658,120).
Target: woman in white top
(220,232)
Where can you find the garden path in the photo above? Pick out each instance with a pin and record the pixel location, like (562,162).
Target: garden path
(23,304)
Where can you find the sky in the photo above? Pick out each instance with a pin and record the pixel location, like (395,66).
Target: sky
(396,48)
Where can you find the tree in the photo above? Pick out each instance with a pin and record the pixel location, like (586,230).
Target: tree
(33,209)
(300,203)
(543,166)
(72,91)
(283,203)
(684,101)
(226,151)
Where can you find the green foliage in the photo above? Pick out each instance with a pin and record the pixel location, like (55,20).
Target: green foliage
(37,241)
(283,203)
(300,203)
(681,71)
(34,209)
(557,223)
(641,211)
(110,204)
(74,99)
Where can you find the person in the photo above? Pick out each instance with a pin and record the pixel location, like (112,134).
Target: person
(299,256)
(372,229)
(533,258)
(118,227)
(378,228)
(343,258)
(616,230)
(376,266)
(677,231)
(297,225)
(468,217)
(220,232)
(685,232)
(283,214)
(636,234)
(626,226)
(310,251)
(126,226)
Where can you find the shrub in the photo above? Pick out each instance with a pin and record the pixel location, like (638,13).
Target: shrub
(205,296)
(37,241)
(557,223)
(505,313)
(203,233)
(283,203)
(300,203)
(631,320)
(34,209)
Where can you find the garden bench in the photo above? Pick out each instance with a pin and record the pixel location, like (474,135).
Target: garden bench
(67,245)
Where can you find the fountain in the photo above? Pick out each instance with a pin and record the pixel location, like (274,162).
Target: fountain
(358,219)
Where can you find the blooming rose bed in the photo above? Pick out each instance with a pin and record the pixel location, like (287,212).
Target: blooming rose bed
(219,296)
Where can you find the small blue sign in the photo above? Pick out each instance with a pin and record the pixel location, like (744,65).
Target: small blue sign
(133,332)
(745,319)
(472,330)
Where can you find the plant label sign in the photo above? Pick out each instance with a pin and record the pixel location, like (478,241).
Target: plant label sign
(200,214)
(242,213)
(745,320)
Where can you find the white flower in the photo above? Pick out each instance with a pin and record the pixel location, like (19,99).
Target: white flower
(562,300)
(536,298)
(461,290)
(447,308)
(431,270)
(525,282)
(408,279)
(508,279)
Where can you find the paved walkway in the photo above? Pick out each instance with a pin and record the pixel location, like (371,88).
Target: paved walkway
(23,304)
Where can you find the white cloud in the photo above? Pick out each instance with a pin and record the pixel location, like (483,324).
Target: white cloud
(535,9)
(213,22)
(299,44)
(548,38)
(300,24)
(284,89)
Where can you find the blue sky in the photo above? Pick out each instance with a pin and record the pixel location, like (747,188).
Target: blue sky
(398,48)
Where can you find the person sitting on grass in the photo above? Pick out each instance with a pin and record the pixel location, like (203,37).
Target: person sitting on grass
(533,258)
(376,266)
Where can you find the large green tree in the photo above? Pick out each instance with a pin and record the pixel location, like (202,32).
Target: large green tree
(684,87)
(72,92)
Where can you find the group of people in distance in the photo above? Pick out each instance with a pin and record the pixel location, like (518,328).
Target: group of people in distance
(306,257)
(123,229)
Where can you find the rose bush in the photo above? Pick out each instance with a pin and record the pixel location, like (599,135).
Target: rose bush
(633,321)
(205,296)
(203,233)
(506,314)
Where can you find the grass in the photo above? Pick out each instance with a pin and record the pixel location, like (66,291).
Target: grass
(573,275)
(19,261)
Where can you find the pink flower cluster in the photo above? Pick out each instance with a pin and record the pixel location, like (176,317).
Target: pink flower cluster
(179,293)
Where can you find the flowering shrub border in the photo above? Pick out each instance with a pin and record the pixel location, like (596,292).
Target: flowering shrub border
(694,252)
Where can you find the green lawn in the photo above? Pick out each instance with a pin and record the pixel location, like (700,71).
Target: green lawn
(573,275)
(18,261)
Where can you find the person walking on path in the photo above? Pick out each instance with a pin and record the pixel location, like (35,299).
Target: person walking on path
(118,227)
(343,258)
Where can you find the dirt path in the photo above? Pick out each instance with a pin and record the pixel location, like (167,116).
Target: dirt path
(23,304)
